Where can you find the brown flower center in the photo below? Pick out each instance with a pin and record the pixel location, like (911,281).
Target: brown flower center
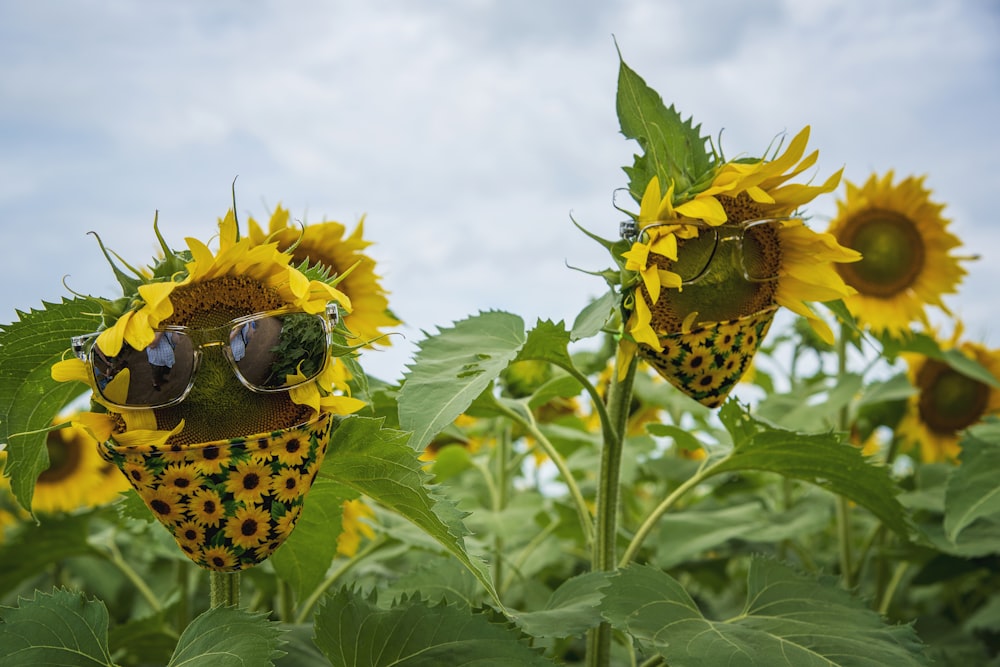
(219,407)
(949,401)
(722,292)
(65,458)
(892,250)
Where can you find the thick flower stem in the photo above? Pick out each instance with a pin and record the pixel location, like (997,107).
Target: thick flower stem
(224,589)
(603,557)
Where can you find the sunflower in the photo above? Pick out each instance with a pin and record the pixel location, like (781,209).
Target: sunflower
(906,244)
(325,243)
(201,289)
(207,507)
(249,482)
(248,527)
(77,477)
(354,526)
(947,401)
(802,260)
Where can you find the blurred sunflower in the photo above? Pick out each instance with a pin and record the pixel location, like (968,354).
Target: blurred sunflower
(906,245)
(326,243)
(947,401)
(354,526)
(77,477)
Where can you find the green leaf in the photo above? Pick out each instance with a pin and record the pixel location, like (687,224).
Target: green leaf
(435,580)
(927,346)
(571,610)
(56,538)
(685,535)
(595,316)
(378,463)
(673,148)
(228,637)
(973,491)
(353,632)
(788,620)
(547,342)
(306,555)
(823,460)
(62,628)
(29,398)
(144,641)
(452,368)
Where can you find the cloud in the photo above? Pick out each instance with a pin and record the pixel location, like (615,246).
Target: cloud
(466,130)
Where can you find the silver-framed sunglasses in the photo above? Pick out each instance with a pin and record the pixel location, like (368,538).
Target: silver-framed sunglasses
(758,239)
(271,351)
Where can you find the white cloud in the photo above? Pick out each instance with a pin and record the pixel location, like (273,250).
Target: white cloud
(467,131)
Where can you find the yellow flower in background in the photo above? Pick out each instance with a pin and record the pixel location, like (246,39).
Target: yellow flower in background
(354,526)
(947,401)
(326,243)
(77,477)
(907,247)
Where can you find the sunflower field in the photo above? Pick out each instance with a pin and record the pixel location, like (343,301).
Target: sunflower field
(767,444)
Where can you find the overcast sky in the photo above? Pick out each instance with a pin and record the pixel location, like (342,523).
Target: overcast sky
(468,131)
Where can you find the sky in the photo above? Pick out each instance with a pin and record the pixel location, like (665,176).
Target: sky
(467,132)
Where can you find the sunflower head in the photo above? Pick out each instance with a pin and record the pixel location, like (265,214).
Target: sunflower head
(906,246)
(327,244)
(241,279)
(947,401)
(206,461)
(715,242)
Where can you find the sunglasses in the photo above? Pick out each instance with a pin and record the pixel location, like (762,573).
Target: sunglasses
(269,352)
(698,244)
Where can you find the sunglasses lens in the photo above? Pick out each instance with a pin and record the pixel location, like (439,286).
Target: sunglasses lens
(694,254)
(280,351)
(156,375)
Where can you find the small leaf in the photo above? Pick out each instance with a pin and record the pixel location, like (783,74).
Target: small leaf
(673,149)
(789,620)
(29,398)
(454,367)
(378,463)
(571,610)
(353,632)
(547,342)
(62,628)
(973,491)
(228,637)
(595,316)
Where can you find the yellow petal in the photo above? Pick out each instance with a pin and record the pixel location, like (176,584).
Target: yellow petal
(703,208)
(70,370)
(99,425)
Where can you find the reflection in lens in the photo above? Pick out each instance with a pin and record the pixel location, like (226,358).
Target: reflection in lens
(279,351)
(156,375)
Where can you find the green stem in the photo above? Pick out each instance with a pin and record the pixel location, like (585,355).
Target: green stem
(314,597)
(224,589)
(500,499)
(608,496)
(647,526)
(144,590)
(527,421)
(890,590)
